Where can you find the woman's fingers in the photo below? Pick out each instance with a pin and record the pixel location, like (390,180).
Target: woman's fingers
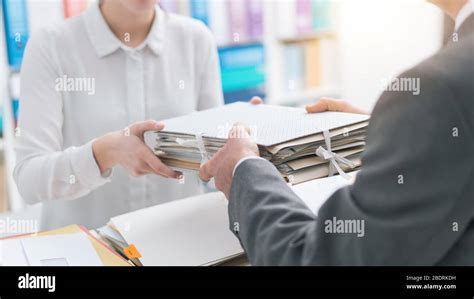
(160,168)
(140,169)
(140,128)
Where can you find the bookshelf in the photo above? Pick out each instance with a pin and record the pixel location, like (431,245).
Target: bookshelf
(276,25)
(276,42)
(308,37)
(280,25)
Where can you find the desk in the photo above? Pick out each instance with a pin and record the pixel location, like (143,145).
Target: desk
(313,193)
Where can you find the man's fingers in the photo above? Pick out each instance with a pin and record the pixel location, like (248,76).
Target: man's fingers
(240,130)
(326,104)
(256,101)
(208,170)
(140,128)
(317,107)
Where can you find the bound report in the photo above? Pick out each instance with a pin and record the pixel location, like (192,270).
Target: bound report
(193,231)
(302,146)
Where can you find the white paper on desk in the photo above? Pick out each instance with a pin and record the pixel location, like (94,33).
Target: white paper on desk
(64,249)
(12,254)
(316,192)
(270,124)
(187,232)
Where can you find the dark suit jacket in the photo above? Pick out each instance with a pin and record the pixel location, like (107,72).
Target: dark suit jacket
(415,191)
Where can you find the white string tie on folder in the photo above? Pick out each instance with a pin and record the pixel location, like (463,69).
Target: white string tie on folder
(202,149)
(333,158)
(196,143)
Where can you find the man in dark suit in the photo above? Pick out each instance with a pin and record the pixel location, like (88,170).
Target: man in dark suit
(413,198)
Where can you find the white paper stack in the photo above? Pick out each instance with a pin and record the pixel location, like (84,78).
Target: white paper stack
(287,137)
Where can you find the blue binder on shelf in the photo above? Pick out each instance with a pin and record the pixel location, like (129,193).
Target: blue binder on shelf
(322,18)
(243,95)
(15,17)
(200,10)
(242,71)
(242,56)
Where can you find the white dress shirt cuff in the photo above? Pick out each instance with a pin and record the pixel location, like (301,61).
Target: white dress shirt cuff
(86,170)
(243,160)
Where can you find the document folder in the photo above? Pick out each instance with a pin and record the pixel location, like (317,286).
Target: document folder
(288,137)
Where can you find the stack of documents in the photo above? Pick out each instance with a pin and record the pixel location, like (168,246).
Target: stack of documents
(287,137)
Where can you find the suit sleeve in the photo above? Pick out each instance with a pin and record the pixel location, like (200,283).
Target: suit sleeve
(411,194)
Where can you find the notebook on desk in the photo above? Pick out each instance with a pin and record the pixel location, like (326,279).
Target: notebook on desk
(187,232)
(287,137)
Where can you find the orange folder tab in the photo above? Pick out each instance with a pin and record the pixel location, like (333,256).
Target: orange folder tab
(132,252)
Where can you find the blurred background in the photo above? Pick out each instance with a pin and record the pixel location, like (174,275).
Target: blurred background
(290,52)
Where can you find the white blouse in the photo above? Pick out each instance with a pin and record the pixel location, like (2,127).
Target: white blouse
(80,82)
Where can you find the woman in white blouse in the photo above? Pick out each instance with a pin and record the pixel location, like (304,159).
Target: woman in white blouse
(88,87)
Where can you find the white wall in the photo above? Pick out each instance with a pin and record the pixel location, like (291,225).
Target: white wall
(381,38)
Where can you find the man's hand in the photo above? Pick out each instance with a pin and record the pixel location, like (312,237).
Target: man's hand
(329,104)
(256,101)
(128,149)
(324,104)
(239,145)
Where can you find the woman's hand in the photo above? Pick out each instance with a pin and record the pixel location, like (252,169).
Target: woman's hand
(128,149)
(329,104)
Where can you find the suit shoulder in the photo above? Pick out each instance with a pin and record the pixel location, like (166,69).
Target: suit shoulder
(454,64)
(444,83)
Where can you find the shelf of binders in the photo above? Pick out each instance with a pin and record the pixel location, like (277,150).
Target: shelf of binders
(259,41)
(238,30)
(307,37)
(303,50)
(242,71)
(307,68)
